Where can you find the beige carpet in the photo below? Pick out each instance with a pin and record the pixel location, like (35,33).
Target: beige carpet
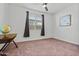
(45,47)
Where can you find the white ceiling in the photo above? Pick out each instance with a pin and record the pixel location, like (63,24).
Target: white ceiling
(52,7)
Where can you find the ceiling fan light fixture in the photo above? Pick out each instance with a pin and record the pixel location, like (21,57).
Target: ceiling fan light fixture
(44,6)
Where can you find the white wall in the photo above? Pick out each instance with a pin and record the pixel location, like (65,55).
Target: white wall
(2,12)
(17,18)
(70,33)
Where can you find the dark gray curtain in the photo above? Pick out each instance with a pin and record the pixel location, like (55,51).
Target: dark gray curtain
(42,30)
(26,32)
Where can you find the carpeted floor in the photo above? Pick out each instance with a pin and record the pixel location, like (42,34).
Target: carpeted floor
(45,47)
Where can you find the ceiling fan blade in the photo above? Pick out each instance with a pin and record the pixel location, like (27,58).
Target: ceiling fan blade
(46,8)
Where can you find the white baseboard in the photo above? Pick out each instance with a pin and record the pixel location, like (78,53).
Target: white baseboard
(76,43)
(31,39)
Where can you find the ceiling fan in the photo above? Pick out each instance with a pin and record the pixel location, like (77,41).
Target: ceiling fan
(45,6)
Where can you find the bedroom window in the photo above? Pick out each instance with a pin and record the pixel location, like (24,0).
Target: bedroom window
(35,22)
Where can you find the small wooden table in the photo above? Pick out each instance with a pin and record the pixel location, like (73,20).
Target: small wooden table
(7,39)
